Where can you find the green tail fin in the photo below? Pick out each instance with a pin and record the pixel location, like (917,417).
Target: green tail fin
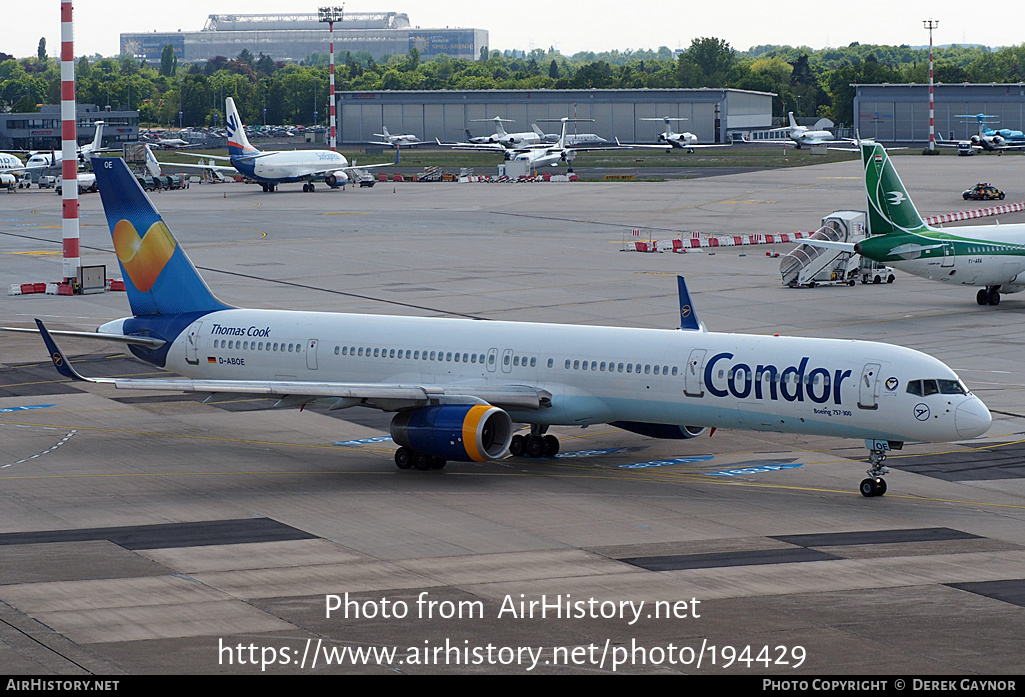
(890,208)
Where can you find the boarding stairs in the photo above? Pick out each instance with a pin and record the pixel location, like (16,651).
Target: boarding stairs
(805,265)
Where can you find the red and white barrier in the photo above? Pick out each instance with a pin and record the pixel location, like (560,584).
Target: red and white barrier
(699,241)
(980,213)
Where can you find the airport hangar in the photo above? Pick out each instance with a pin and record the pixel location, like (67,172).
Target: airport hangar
(42,130)
(294,36)
(900,113)
(711,113)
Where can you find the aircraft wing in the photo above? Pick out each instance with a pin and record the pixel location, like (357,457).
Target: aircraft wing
(190,165)
(670,146)
(493,147)
(205,157)
(388,397)
(119,338)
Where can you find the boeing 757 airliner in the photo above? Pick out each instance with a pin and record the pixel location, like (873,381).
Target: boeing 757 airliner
(457,386)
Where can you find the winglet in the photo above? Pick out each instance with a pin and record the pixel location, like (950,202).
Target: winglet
(688,317)
(60,361)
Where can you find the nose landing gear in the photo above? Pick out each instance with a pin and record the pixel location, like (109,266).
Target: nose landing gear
(875,485)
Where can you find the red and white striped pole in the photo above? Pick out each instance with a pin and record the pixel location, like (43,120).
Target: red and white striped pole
(331,87)
(331,15)
(69,147)
(930,25)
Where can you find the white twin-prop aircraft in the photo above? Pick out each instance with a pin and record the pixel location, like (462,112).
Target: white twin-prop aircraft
(457,386)
(280,166)
(51,159)
(10,167)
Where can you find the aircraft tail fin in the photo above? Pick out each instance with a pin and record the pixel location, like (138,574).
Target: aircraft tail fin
(890,209)
(793,121)
(152,166)
(238,144)
(386,134)
(98,138)
(688,317)
(159,277)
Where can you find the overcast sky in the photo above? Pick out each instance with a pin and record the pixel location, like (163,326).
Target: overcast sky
(569,25)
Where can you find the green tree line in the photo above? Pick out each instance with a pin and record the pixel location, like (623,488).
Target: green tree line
(807,81)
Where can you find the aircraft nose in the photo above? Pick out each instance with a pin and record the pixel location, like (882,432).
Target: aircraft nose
(972,418)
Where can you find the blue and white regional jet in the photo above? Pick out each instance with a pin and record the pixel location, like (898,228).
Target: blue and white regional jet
(279,166)
(457,386)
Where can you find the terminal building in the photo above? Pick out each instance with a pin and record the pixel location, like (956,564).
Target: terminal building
(712,114)
(900,113)
(42,130)
(293,37)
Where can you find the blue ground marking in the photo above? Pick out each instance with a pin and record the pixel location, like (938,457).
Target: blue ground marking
(668,462)
(364,441)
(26,408)
(588,453)
(757,469)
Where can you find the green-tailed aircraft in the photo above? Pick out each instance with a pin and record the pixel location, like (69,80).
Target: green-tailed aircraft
(990,256)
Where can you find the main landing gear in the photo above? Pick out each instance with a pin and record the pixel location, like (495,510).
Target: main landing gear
(988,296)
(268,188)
(406,458)
(535,445)
(309,188)
(875,485)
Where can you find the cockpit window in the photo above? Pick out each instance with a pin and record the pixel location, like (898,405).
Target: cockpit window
(924,388)
(951,387)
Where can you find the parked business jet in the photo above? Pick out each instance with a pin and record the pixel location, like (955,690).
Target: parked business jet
(994,140)
(802,135)
(991,256)
(502,137)
(540,155)
(406,140)
(458,385)
(276,167)
(686,140)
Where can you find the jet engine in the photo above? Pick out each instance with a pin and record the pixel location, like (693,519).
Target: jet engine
(664,431)
(455,432)
(336,179)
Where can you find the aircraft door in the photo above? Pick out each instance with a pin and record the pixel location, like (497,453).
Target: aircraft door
(311,353)
(507,361)
(948,254)
(192,344)
(492,359)
(868,386)
(693,385)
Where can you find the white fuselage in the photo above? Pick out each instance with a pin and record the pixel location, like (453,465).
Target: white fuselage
(598,375)
(294,165)
(980,264)
(806,137)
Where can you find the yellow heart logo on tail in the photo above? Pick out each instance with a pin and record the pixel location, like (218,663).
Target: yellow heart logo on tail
(143,258)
